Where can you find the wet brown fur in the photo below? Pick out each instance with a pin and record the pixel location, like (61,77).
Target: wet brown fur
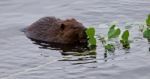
(54,30)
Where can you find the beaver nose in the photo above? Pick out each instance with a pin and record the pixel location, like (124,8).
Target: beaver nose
(83,41)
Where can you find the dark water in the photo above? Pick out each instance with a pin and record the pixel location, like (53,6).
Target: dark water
(21,59)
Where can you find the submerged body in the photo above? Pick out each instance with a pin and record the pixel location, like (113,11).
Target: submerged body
(53,30)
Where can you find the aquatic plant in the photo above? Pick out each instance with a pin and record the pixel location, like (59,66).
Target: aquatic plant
(109,47)
(91,36)
(148,21)
(146,33)
(113,32)
(125,39)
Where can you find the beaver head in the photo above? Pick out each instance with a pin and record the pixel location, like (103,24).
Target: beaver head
(53,30)
(72,31)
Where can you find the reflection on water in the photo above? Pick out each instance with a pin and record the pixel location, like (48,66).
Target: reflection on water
(63,47)
(81,53)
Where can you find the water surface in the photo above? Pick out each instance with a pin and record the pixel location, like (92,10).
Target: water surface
(21,59)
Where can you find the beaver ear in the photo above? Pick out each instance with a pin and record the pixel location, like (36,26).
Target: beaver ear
(62,26)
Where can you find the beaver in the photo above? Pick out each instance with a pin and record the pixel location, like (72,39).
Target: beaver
(54,30)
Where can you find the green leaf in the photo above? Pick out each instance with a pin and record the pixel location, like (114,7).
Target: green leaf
(146,33)
(125,44)
(111,30)
(116,33)
(125,35)
(113,33)
(92,41)
(110,47)
(90,32)
(148,21)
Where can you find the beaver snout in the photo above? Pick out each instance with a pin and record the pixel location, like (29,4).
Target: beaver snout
(83,37)
(83,41)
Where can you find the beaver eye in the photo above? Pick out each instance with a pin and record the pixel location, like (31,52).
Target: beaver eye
(62,26)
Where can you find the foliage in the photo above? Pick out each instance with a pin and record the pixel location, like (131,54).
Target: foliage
(90,34)
(125,39)
(110,47)
(146,33)
(148,21)
(113,32)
